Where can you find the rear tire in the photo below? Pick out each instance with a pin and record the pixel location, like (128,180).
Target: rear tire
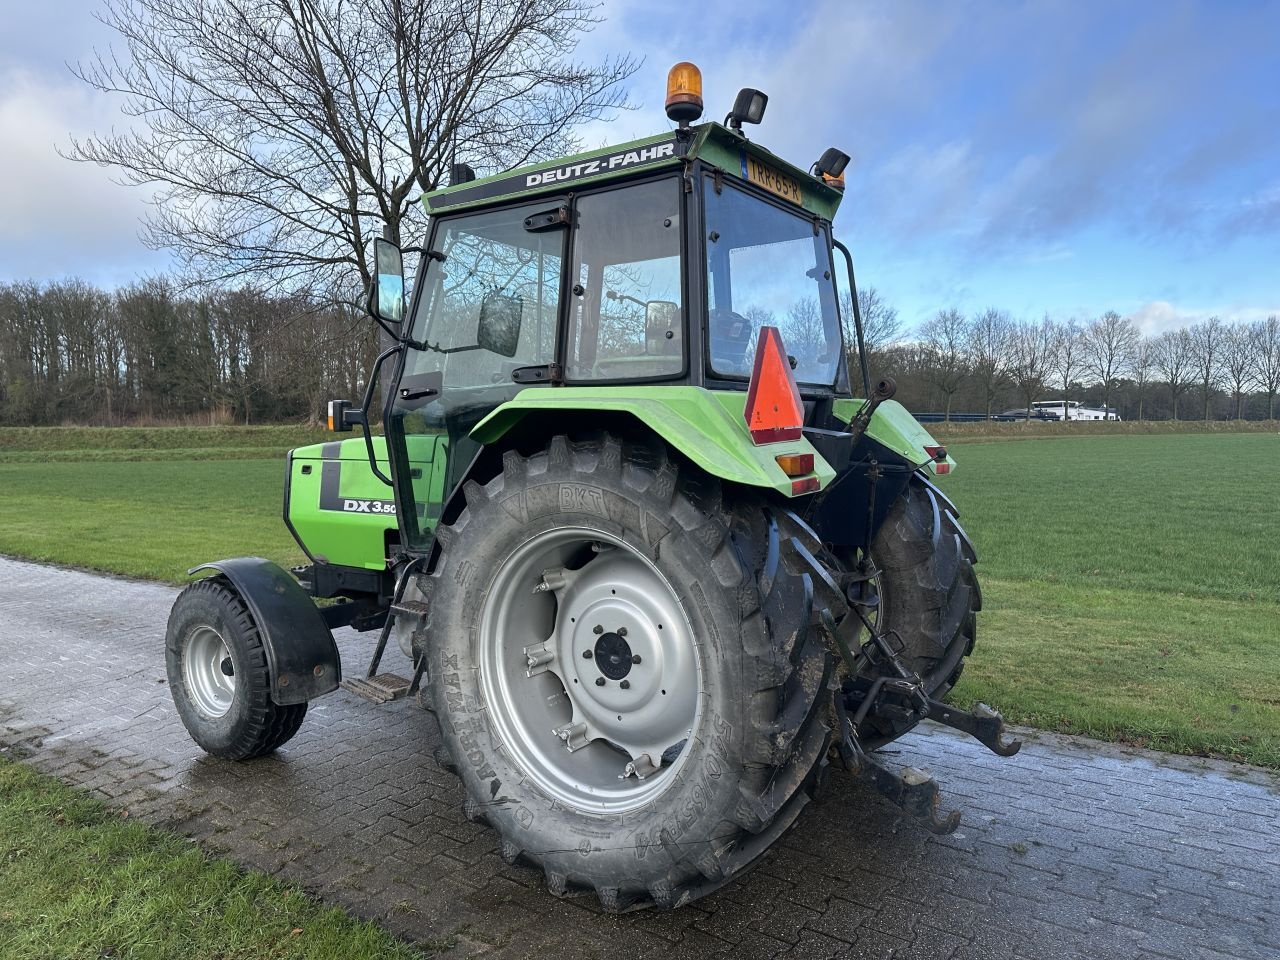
(218,675)
(929,596)
(757,741)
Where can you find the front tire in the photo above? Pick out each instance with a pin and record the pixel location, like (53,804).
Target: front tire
(218,675)
(725,709)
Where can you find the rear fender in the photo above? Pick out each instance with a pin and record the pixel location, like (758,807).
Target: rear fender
(707,427)
(302,658)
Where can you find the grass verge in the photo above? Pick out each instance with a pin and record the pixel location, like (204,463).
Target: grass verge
(78,881)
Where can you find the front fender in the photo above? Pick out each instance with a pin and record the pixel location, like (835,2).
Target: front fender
(302,658)
(706,426)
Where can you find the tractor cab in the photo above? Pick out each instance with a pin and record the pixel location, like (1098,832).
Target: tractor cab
(654,264)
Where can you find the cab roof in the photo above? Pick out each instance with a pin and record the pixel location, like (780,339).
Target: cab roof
(715,145)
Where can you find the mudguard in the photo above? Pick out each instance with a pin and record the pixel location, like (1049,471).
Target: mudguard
(301,656)
(707,426)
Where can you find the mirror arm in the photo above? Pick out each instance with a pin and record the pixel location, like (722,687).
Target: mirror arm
(364,411)
(857,317)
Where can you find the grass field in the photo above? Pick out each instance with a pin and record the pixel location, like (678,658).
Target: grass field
(1130,579)
(1131,587)
(79,882)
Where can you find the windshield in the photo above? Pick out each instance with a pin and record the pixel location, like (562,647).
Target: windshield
(767,266)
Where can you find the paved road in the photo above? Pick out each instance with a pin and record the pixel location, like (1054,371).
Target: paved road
(1071,849)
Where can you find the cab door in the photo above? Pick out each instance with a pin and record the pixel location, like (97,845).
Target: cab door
(487,307)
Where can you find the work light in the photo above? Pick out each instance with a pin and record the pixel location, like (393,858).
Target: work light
(748,107)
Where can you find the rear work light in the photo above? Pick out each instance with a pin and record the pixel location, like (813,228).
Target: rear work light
(774,411)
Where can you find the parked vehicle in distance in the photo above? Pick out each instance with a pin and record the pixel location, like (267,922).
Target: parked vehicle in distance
(1021,415)
(1072,410)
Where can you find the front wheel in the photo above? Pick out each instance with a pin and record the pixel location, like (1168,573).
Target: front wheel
(218,675)
(624,671)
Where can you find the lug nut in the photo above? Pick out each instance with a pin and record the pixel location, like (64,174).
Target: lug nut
(599,681)
(586,654)
(597,629)
(625,684)
(622,631)
(635,658)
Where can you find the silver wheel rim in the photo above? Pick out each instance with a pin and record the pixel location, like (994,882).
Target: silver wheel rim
(598,747)
(209,672)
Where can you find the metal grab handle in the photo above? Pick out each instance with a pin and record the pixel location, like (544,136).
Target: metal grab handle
(364,411)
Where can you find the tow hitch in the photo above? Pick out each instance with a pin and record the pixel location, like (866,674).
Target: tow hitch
(899,692)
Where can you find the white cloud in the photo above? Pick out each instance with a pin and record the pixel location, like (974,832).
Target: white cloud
(62,217)
(1160,315)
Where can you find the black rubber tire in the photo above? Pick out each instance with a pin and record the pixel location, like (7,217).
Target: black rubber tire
(255,725)
(929,594)
(766,671)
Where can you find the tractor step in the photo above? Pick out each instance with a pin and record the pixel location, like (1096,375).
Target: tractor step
(383,688)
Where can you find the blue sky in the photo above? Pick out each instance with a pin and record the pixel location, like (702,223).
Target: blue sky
(1068,157)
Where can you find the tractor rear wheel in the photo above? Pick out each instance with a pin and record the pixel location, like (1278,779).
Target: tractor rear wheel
(218,675)
(927,596)
(626,670)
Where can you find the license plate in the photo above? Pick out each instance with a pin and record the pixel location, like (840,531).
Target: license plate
(775,181)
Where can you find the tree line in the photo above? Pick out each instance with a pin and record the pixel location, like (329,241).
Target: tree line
(988,362)
(149,352)
(73,353)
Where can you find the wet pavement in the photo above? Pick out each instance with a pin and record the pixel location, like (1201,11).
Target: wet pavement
(1070,849)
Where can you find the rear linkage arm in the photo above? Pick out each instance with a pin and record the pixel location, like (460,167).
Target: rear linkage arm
(914,791)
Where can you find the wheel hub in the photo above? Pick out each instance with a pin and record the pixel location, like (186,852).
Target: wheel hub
(613,655)
(208,671)
(608,679)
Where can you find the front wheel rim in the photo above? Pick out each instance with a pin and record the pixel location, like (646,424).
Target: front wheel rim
(209,672)
(590,669)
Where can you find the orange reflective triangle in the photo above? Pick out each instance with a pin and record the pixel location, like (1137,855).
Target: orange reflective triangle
(774,411)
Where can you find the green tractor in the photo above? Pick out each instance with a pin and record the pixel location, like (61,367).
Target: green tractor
(649,562)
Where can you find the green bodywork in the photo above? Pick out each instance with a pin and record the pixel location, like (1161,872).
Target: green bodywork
(340,511)
(893,426)
(706,426)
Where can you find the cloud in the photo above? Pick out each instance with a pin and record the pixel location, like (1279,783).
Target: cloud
(1160,315)
(62,217)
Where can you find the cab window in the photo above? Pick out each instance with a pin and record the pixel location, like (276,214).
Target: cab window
(626,312)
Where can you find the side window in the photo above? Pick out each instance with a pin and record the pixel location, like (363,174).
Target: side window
(626,319)
(491,305)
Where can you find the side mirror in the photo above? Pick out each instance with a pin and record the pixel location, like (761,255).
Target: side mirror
(386,298)
(500,317)
(661,327)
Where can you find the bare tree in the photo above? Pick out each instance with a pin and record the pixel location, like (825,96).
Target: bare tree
(944,339)
(1266,347)
(1068,359)
(880,324)
(1239,362)
(1207,339)
(1031,352)
(988,346)
(1109,343)
(281,134)
(1141,365)
(1174,358)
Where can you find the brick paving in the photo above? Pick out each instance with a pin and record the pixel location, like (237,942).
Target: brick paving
(1070,849)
